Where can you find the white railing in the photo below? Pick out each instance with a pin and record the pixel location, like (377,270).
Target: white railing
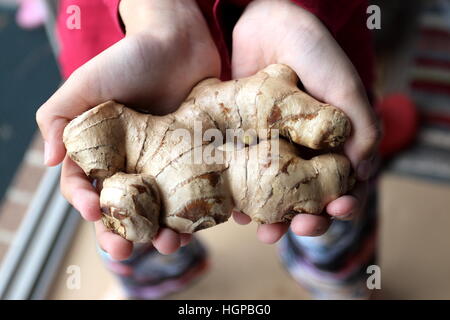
(40,243)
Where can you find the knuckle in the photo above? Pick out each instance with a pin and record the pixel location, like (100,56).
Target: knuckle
(240,30)
(77,74)
(374,133)
(65,192)
(351,87)
(40,117)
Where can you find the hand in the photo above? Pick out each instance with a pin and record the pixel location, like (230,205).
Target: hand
(272,31)
(166,51)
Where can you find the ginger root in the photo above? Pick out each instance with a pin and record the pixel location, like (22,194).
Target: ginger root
(150,177)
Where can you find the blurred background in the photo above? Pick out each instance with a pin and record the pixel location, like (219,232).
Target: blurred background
(41,236)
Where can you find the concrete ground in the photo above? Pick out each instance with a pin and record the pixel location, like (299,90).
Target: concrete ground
(413,250)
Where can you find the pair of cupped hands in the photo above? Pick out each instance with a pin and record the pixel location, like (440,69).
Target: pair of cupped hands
(167,50)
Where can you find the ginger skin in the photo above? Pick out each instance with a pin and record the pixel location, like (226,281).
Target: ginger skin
(144,167)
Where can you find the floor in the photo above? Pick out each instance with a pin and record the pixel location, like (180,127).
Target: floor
(413,250)
(414,239)
(241,268)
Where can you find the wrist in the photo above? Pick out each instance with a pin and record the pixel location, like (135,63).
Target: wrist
(141,16)
(135,14)
(284,11)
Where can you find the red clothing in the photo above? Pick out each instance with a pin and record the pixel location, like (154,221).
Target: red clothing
(100,28)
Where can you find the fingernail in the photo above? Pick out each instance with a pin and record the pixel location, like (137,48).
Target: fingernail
(364,169)
(347,216)
(342,216)
(46,153)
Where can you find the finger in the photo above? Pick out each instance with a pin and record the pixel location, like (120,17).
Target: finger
(167,241)
(349,206)
(309,225)
(116,246)
(78,190)
(360,192)
(185,239)
(54,149)
(241,218)
(361,149)
(271,233)
(343,208)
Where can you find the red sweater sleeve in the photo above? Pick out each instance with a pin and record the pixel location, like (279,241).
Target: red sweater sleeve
(99,28)
(113,9)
